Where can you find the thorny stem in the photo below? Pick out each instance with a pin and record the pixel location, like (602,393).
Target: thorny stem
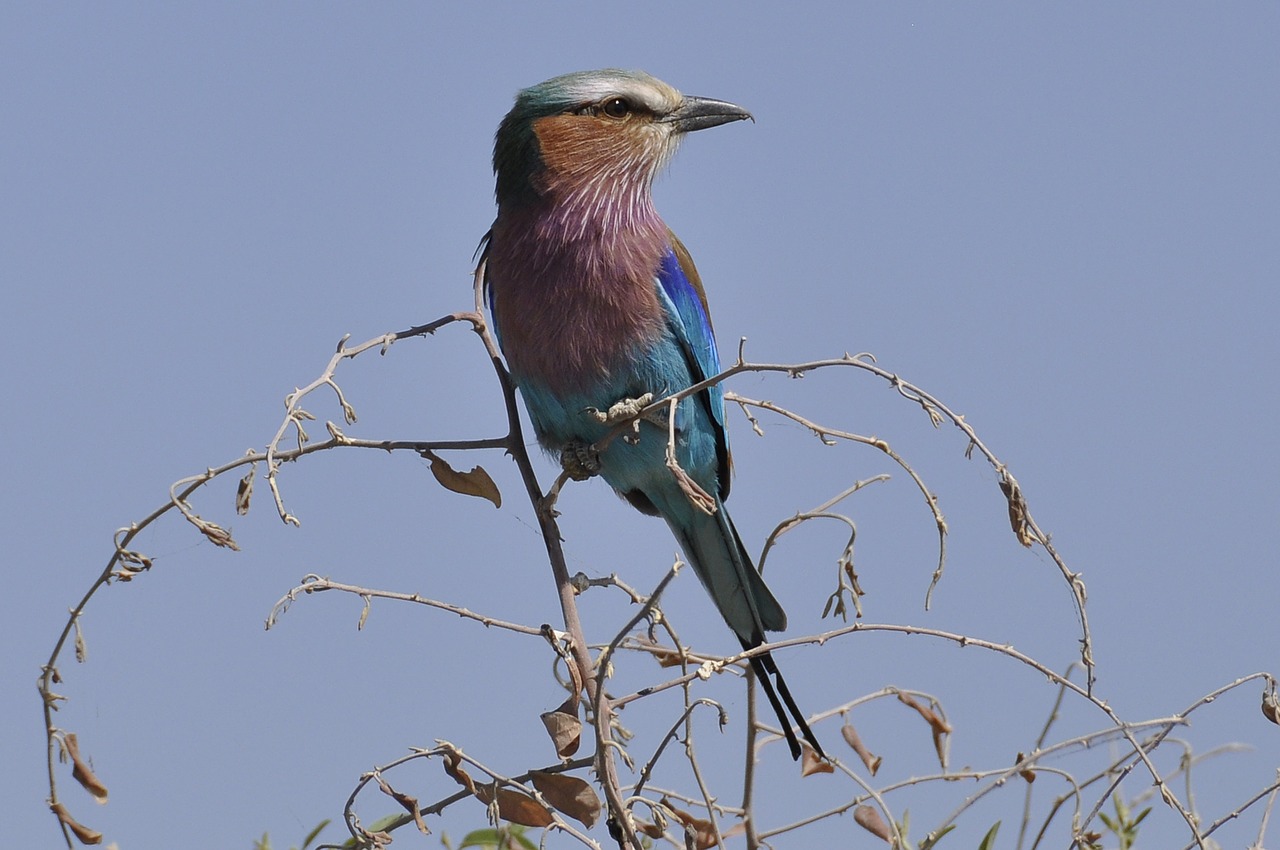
(606,767)
(603,707)
(317,584)
(749,769)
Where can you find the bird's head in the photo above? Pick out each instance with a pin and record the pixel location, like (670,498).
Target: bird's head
(602,133)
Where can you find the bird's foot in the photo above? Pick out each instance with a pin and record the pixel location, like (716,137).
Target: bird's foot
(622,410)
(579,460)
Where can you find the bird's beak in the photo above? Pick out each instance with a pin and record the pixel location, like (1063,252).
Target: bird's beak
(699,113)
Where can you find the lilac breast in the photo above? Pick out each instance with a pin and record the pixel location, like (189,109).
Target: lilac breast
(574,297)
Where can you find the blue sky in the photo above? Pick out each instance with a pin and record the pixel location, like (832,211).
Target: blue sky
(1060,219)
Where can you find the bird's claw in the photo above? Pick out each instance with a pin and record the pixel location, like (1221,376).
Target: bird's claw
(579,460)
(622,410)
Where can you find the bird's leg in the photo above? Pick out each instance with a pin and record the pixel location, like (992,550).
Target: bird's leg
(621,410)
(579,460)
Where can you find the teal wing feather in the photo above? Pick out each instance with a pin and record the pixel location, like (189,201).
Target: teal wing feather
(685,302)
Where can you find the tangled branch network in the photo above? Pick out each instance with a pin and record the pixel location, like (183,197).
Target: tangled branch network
(669,794)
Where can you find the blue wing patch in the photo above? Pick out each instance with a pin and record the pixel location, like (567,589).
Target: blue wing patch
(687,317)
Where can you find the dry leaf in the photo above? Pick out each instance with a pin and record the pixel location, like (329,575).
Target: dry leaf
(813,763)
(568,794)
(702,831)
(216,534)
(517,807)
(940,727)
(869,761)
(1017,508)
(868,817)
(934,719)
(81,771)
(1271,707)
(82,832)
(474,483)
(513,806)
(570,705)
(244,492)
(1026,773)
(940,747)
(409,804)
(664,655)
(82,649)
(565,731)
(453,766)
(658,828)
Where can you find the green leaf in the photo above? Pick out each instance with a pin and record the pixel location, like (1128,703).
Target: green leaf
(380,825)
(932,839)
(480,838)
(989,840)
(498,839)
(314,834)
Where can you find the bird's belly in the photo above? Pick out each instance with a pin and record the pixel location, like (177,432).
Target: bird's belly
(635,459)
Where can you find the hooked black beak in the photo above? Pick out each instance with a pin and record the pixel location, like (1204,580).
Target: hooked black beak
(699,113)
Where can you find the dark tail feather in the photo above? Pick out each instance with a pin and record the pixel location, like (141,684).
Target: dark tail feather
(722,563)
(764,667)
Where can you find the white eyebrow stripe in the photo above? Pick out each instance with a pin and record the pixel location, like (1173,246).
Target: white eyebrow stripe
(657,99)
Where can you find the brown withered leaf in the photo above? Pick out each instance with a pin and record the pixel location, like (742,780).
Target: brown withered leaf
(409,804)
(869,761)
(216,534)
(812,763)
(82,648)
(568,794)
(1271,707)
(940,727)
(82,832)
(940,746)
(702,831)
(934,719)
(657,829)
(453,766)
(516,806)
(474,483)
(664,655)
(868,817)
(1017,508)
(667,657)
(81,772)
(513,806)
(244,492)
(570,705)
(1026,773)
(565,730)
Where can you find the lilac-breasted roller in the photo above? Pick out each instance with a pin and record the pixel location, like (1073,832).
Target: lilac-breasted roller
(598,307)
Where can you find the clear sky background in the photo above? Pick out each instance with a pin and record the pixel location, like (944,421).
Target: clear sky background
(1062,219)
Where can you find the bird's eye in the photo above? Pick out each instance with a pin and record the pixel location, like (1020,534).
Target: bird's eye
(616,107)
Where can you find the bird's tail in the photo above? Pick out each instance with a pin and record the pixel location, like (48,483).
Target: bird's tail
(717,555)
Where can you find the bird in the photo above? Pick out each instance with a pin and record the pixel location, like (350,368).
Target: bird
(599,310)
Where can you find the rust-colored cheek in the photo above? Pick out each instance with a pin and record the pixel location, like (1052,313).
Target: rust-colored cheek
(579,147)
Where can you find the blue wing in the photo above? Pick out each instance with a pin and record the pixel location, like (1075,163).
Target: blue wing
(686,307)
